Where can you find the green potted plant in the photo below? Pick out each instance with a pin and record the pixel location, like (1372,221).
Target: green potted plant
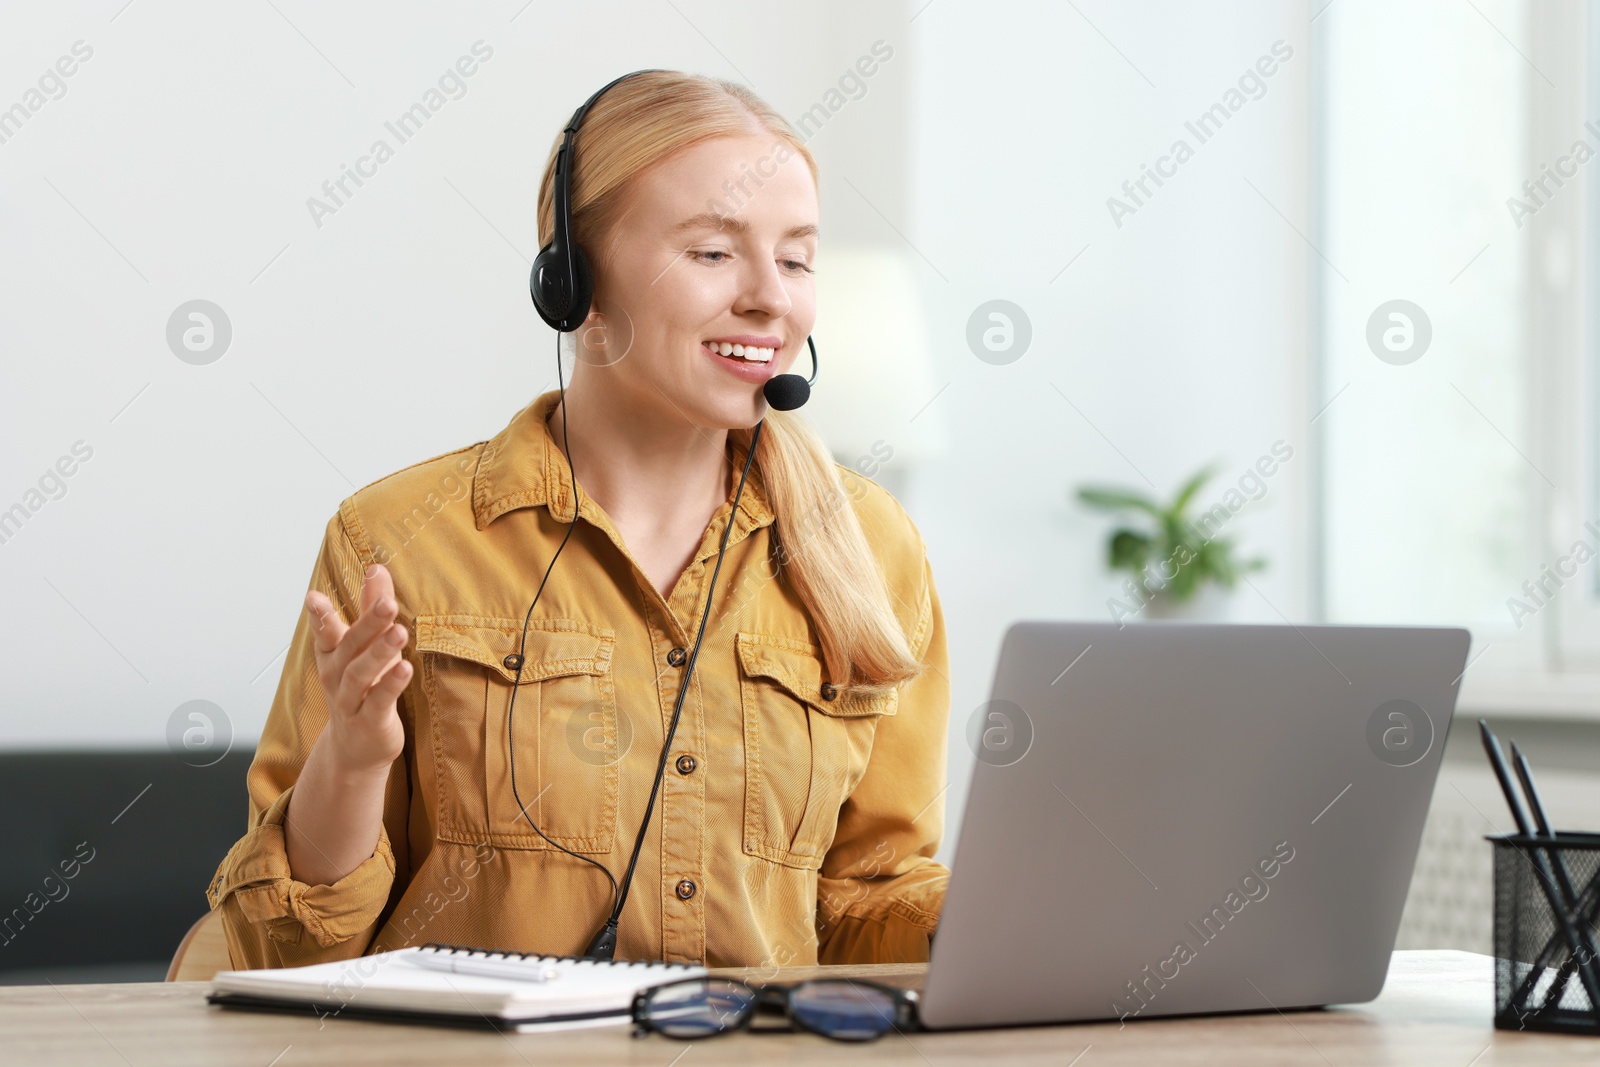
(1171,558)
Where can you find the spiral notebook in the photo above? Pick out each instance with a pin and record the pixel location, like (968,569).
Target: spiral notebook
(454,985)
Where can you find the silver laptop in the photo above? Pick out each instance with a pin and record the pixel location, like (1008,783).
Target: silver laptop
(1174,818)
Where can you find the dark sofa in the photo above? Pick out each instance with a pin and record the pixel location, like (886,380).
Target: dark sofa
(106,857)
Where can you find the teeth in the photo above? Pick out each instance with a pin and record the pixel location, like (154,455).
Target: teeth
(748,352)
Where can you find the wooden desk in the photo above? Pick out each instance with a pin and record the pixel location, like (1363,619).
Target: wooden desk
(1435,1009)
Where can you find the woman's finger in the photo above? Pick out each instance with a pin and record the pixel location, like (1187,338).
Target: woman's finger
(377,585)
(366,668)
(378,610)
(327,629)
(386,690)
(378,618)
(350,658)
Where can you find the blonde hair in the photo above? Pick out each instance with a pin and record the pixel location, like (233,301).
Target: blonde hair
(821,549)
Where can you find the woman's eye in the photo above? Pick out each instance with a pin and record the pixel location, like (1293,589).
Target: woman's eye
(717,255)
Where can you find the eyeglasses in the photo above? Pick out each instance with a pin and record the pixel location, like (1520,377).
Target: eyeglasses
(843,1009)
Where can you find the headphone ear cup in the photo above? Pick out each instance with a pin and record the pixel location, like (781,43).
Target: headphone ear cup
(547,284)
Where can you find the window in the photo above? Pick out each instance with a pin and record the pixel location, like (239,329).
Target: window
(1450,326)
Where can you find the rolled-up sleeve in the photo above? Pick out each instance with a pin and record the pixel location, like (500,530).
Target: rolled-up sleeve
(271,919)
(880,891)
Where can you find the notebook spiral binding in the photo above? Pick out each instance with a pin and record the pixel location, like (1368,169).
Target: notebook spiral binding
(540,957)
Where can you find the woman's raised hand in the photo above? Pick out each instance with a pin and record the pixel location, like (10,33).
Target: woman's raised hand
(362,676)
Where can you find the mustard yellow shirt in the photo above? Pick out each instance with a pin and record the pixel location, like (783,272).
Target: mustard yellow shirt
(791,828)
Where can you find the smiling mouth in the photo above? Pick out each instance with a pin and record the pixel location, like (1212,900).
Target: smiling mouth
(742,353)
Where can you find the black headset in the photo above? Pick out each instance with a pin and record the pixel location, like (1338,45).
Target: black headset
(562,287)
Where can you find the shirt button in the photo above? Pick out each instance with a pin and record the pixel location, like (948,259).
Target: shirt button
(686,764)
(676,657)
(829,691)
(685,889)
(512,662)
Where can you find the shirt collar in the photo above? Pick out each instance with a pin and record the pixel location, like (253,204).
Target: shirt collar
(521,466)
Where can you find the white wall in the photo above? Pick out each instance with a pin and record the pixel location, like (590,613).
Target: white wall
(178,163)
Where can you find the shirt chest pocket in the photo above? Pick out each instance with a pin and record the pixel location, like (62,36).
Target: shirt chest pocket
(804,753)
(565,737)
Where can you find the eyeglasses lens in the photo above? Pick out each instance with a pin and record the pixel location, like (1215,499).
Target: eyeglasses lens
(844,1010)
(699,1009)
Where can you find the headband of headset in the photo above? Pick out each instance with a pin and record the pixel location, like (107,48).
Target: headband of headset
(562,284)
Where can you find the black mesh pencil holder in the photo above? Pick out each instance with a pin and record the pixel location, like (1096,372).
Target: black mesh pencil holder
(1546,973)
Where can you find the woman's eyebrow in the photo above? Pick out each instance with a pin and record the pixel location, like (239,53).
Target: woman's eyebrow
(710,220)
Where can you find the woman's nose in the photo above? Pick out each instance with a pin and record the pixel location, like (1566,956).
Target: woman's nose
(763,290)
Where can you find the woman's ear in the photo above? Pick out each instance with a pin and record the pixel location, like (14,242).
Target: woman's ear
(604,338)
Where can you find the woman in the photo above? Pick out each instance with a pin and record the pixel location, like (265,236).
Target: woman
(443,763)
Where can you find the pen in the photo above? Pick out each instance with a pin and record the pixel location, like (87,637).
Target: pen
(517,970)
(1525,776)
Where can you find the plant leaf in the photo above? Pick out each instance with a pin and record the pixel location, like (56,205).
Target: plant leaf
(1128,550)
(1108,499)
(1187,493)
(1184,583)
